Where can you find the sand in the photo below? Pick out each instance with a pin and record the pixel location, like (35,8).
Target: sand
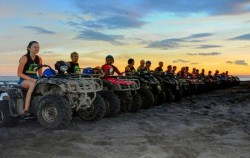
(211,125)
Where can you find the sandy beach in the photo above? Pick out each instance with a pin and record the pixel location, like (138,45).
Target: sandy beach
(210,125)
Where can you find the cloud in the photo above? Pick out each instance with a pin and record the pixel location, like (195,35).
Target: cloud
(241,37)
(194,63)
(166,44)
(48,52)
(237,62)
(206,46)
(200,35)
(39,30)
(185,8)
(110,14)
(205,54)
(175,43)
(229,62)
(98,36)
(240,62)
(180,61)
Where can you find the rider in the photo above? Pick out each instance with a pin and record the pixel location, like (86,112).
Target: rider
(159,68)
(174,69)
(202,74)
(182,72)
(209,75)
(148,64)
(142,66)
(109,64)
(74,66)
(27,71)
(169,70)
(216,73)
(129,70)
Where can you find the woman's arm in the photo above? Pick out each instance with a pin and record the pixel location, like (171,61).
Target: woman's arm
(21,65)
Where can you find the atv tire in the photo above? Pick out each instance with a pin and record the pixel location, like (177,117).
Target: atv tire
(137,103)
(6,120)
(54,112)
(95,112)
(169,96)
(147,98)
(112,103)
(160,98)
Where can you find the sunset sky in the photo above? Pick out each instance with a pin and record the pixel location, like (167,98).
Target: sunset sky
(210,34)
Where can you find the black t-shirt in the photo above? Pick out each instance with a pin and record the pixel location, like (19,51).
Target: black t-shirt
(159,69)
(73,67)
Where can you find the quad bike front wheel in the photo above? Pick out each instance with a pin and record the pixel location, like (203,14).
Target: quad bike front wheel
(95,112)
(137,103)
(147,98)
(6,120)
(54,112)
(112,103)
(160,98)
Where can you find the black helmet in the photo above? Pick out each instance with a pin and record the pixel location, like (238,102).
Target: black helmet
(110,57)
(61,66)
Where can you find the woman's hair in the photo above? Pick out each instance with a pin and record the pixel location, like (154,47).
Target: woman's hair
(29,46)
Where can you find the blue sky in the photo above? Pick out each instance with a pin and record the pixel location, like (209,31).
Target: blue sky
(211,34)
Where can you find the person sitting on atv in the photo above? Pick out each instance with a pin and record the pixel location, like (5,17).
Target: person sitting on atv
(130,70)
(226,74)
(148,64)
(187,73)
(142,67)
(194,71)
(169,70)
(209,75)
(74,66)
(27,71)
(174,69)
(159,68)
(196,74)
(182,72)
(216,74)
(106,68)
(202,74)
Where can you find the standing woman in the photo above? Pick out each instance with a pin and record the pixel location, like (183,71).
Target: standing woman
(27,71)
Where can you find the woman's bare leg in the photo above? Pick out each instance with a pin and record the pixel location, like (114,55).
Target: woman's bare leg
(30,86)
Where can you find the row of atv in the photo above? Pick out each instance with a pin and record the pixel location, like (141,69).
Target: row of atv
(59,97)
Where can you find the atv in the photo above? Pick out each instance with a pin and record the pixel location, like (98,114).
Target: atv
(148,81)
(53,100)
(112,101)
(125,88)
(171,86)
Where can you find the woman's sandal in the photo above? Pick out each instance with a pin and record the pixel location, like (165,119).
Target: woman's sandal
(24,113)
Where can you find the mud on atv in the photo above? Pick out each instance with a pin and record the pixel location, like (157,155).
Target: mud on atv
(53,101)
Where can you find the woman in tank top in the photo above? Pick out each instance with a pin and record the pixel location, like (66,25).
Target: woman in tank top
(28,71)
